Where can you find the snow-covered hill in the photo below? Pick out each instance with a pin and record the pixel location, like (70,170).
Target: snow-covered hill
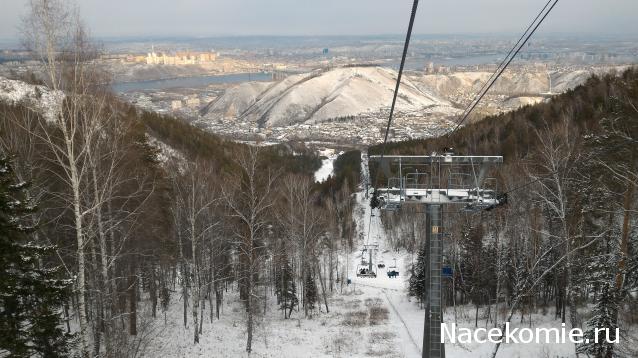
(322,96)
(38,98)
(511,83)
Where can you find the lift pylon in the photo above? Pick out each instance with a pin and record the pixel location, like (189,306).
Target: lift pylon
(434,181)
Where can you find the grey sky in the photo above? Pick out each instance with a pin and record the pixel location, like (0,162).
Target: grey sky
(335,17)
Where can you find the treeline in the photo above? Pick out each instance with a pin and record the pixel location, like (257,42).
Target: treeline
(197,143)
(567,238)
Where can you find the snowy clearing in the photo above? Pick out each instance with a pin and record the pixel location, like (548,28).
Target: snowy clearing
(327,165)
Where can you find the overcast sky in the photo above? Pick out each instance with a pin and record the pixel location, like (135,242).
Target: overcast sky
(336,17)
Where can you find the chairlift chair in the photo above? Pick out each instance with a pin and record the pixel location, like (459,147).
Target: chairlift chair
(364,271)
(392,270)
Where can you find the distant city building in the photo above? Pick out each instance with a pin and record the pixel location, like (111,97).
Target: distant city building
(192,102)
(176,104)
(179,58)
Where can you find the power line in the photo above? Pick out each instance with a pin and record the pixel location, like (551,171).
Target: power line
(499,71)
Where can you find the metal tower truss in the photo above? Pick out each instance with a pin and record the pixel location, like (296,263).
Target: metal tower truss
(435,181)
(438,179)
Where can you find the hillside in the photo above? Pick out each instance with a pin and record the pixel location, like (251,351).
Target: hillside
(513,135)
(36,97)
(511,82)
(318,97)
(172,138)
(513,89)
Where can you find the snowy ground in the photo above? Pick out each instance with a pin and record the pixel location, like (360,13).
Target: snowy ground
(347,331)
(327,165)
(38,98)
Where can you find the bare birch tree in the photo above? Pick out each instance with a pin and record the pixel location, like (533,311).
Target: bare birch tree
(54,33)
(194,201)
(249,197)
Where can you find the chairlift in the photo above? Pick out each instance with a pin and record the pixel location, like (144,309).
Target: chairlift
(365,271)
(440,179)
(392,270)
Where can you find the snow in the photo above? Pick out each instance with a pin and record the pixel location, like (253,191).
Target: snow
(327,165)
(511,83)
(325,335)
(408,317)
(321,96)
(166,154)
(38,98)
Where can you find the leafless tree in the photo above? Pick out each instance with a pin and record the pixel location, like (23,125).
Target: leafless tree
(556,164)
(304,222)
(56,37)
(249,197)
(193,202)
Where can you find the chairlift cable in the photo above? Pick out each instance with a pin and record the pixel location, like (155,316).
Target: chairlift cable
(501,70)
(507,56)
(406,45)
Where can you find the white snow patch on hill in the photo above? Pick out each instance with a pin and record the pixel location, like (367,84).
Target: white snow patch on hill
(166,154)
(38,98)
(327,165)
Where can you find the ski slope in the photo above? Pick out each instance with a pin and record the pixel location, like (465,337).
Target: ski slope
(406,315)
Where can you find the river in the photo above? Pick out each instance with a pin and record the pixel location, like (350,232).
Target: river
(189,82)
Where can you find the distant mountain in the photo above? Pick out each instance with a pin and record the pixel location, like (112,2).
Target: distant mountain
(511,83)
(322,96)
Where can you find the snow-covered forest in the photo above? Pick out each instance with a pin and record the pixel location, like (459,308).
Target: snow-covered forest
(125,233)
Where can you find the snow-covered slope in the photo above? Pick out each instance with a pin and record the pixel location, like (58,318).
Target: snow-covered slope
(470,82)
(511,83)
(167,156)
(39,98)
(322,96)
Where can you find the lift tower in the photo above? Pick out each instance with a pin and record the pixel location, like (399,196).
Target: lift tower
(435,181)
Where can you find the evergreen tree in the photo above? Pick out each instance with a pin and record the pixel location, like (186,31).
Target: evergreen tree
(600,344)
(417,279)
(30,294)
(601,269)
(310,290)
(374,200)
(286,289)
